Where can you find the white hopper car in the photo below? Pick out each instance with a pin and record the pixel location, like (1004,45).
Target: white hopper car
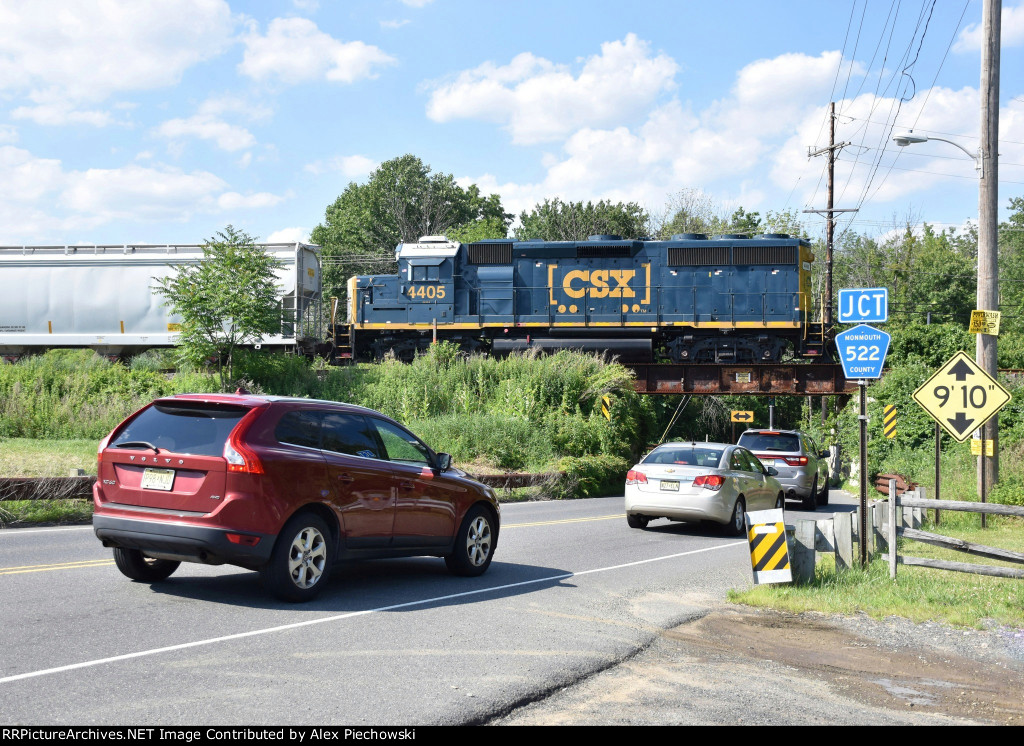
(103,297)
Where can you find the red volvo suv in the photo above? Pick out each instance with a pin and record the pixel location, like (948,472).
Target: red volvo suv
(284,486)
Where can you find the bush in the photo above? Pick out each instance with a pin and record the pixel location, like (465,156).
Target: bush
(590,476)
(520,413)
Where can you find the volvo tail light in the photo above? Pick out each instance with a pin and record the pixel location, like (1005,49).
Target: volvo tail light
(239,456)
(635,477)
(709,481)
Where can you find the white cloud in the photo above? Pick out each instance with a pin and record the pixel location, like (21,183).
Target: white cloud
(61,113)
(236,201)
(769,118)
(417,3)
(350,166)
(394,24)
(134,192)
(901,172)
(39,199)
(310,6)
(227,136)
(1011,32)
(294,51)
(24,178)
(289,235)
(207,123)
(538,100)
(87,51)
(8,133)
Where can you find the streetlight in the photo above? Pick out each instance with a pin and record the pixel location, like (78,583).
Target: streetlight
(909,138)
(988,273)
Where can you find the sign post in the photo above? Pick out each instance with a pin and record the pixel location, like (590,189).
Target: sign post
(862,353)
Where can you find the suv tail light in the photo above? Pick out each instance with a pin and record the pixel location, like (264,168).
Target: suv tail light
(709,481)
(795,460)
(635,477)
(99,452)
(239,456)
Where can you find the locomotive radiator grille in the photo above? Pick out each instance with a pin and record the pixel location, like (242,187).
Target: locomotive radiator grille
(764,255)
(698,256)
(490,253)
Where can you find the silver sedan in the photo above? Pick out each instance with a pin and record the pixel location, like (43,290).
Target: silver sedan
(696,481)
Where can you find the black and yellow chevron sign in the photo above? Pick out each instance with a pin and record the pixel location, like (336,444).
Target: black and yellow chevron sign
(606,407)
(889,421)
(769,553)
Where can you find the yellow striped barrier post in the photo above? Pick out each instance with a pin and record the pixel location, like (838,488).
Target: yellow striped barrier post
(889,421)
(769,551)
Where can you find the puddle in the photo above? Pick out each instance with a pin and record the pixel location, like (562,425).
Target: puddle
(913,696)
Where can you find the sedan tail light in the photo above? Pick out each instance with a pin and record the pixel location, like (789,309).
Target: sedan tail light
(635,477)
(709,481)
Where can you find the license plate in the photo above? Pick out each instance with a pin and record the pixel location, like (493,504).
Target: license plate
(768,461)
(158,479)
(670,485)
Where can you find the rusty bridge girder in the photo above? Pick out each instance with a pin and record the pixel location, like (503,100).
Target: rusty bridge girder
(769,379)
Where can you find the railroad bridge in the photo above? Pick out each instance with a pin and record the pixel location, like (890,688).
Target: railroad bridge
(768,379)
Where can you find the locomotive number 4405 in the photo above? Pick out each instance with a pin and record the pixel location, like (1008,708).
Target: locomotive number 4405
(427,292)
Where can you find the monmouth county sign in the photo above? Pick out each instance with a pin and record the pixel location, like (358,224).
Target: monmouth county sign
(862,351)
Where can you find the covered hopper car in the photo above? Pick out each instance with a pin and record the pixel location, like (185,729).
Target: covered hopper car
(103,297)
(693,298)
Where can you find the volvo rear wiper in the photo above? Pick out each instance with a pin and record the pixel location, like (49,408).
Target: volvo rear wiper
(137,444)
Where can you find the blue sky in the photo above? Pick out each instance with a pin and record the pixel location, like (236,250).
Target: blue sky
(164,121)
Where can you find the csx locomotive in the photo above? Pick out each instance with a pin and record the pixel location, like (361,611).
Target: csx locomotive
(721,299)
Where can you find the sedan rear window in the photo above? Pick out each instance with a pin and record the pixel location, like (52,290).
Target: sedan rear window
(781,442)
(686,456)
(196,429)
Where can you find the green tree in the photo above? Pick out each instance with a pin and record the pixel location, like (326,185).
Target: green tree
(230,298)
(745,222)
(555,220)
(692,211)
(1011,287)
(401,201)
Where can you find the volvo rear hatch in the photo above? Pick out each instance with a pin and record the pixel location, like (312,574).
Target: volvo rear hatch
(173,456)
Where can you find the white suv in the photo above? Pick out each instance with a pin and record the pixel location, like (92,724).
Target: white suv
(802,466)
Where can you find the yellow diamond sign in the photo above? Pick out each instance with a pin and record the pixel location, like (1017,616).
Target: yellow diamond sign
(961,396)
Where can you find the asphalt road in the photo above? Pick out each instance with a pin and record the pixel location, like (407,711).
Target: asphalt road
(572,591)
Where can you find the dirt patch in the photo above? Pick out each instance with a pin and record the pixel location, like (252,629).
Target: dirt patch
(864,669)
(739,665)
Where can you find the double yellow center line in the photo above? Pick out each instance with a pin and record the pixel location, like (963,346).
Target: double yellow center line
(106,562)
(55,566)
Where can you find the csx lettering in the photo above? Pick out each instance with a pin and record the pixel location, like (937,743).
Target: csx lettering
(598,284)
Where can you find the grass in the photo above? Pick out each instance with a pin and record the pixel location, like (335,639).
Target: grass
(36,512)
(28,457)
(919,593)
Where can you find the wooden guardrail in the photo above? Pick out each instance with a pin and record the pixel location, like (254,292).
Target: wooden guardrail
(514,480)
(80,487)
(895,530)
(46,488)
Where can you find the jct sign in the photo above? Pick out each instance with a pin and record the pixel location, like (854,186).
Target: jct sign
(863,305)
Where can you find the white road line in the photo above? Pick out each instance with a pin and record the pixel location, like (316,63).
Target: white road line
(350,615)
(32,531)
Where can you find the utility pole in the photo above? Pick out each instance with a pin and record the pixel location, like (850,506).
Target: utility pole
(830,229)
(988,204)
